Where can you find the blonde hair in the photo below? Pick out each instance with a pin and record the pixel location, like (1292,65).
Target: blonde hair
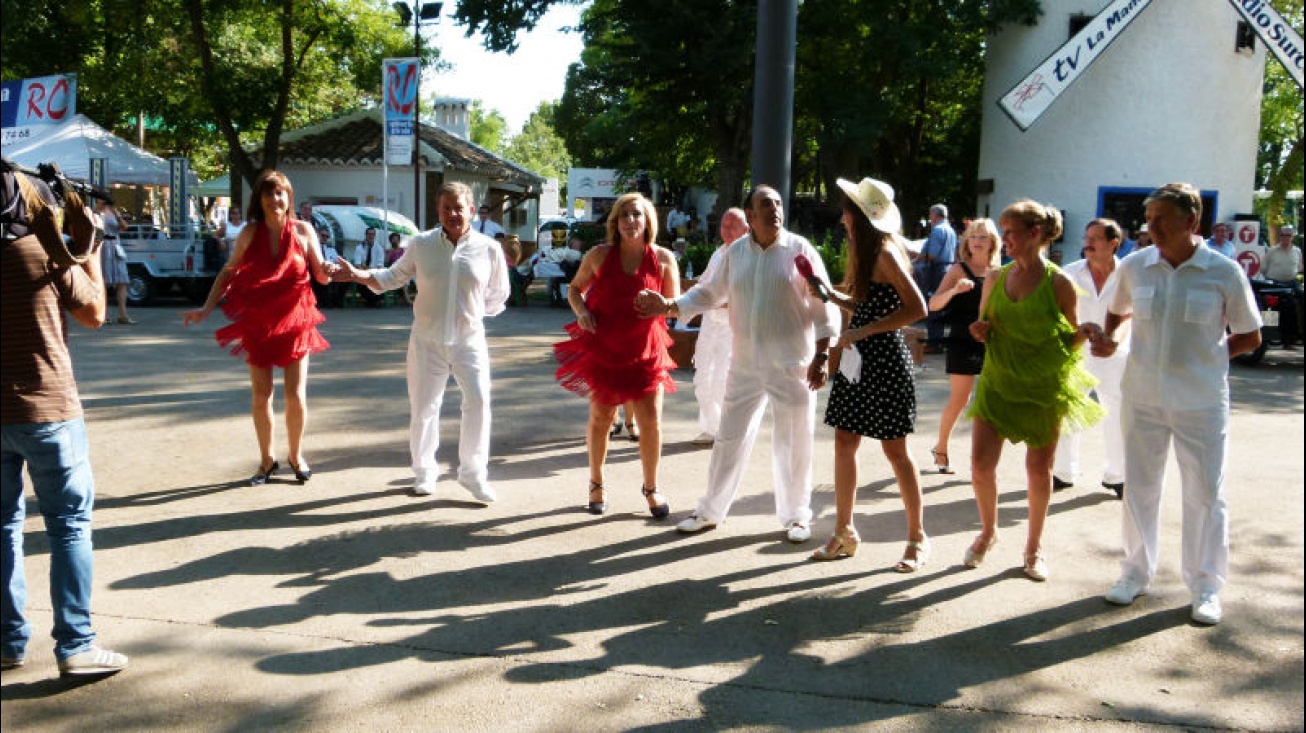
(1033,214)
(645,206)
(988,229)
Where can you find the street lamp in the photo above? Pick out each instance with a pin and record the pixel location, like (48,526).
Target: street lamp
(418,13)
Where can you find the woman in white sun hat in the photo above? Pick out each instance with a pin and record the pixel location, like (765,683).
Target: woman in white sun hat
(873,393)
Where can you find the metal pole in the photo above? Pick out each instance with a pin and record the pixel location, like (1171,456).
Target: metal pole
(417,118)
(773,93)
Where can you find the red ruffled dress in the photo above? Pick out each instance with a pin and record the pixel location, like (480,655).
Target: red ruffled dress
(626,356)
(273,312)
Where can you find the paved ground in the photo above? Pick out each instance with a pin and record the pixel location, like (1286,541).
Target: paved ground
(347,604)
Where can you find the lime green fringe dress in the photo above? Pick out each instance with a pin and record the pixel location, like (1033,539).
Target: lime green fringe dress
(1033,381)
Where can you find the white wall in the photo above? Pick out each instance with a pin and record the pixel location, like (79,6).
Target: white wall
(1169,100)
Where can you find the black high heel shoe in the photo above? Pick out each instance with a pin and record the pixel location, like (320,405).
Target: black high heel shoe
(632,432)
(661,510)
(597,507)
(302,476)
(260,476)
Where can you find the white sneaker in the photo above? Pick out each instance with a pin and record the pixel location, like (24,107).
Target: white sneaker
(798,532)
(1206,608)
(480,489)
(704,438)
(1124,592)
(93,661)
(423,487)
(694,524)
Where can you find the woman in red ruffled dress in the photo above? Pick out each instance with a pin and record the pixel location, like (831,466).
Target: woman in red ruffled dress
(265,292)
(613,355)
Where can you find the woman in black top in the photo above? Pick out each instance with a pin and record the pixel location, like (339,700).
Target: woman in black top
(958,297)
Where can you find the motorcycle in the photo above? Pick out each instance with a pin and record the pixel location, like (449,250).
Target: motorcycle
(1270,296)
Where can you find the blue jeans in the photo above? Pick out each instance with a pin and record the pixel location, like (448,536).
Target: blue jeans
(59,465)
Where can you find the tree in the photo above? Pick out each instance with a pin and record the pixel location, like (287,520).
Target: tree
(893,89)
(667,91)
(487,127)
(209,74)
(1279,157)
(538,148)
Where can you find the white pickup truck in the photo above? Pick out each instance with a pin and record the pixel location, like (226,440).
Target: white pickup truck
(160,262)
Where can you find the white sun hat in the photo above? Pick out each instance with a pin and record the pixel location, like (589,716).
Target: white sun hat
(875,199)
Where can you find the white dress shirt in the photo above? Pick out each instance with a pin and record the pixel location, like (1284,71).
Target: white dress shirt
(773,318)
(1179,357)
(1093,305)
(488,227)
(457,286)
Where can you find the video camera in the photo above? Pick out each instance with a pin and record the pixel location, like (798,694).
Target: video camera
(64,228)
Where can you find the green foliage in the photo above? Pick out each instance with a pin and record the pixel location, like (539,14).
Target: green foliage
(487,127)
(1279,156)
(698,256)
(667,91)
(831,250)
(539,148)
(273,66)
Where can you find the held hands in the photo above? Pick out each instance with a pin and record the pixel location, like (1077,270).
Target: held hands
(979,330)
(342,271)
(1100,344)
(817,373)
(847,339)
(650,304)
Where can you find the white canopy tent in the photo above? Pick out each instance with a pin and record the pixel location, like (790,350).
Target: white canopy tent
(73,144)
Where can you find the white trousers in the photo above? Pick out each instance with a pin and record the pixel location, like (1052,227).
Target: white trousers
(793,408)
(1066,466)
(429,367)
(711,365)
(1201,443)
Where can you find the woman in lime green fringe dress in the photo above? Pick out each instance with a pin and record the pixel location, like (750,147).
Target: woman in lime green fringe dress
(1033,383)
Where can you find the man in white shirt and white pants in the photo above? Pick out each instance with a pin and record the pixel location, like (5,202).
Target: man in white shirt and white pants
(462,278)
(1095,279)
(781,336)
(1180,296)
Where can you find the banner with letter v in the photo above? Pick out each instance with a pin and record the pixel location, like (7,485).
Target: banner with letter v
(1031,97)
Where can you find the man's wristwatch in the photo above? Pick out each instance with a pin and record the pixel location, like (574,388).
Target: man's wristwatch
(673,308)
(824,356)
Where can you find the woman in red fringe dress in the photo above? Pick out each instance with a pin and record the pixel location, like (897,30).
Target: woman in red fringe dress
(613,355)
(264,290)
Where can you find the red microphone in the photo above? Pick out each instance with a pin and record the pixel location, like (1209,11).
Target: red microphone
(805,269)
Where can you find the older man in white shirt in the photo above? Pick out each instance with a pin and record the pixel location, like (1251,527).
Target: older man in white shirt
(1180,296)
(1095,281)
(714,344)
(462,278)
(781,335)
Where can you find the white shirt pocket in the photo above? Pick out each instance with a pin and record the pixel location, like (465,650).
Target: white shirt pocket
(1144,297)
(1201,307)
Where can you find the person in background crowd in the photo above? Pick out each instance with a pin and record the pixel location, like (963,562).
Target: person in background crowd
(369,255)
(1191,311)
(462,279)
(485,225)
(615,357)
(1095,282)
(958,299)
(113,260)
(332,294)
(42,426)
(1220,241)
(264,291)
(1033,382)
(873,394)
(937,255)
(712,350)
(1283,263)
(228,233)
(781,339)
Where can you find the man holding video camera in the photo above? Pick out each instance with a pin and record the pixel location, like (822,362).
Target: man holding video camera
(49,263)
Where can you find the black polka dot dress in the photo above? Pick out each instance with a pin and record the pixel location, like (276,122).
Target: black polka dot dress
(882,404)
